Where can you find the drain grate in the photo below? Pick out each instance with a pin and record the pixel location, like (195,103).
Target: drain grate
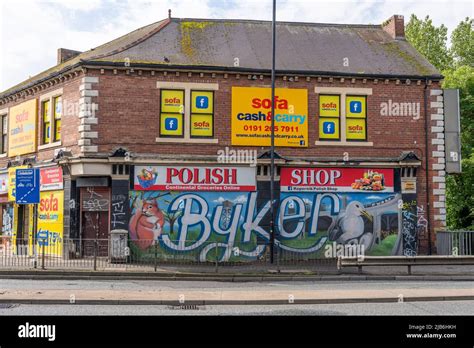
(187,307)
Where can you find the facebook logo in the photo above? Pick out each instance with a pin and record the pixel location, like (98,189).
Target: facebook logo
(171,124)
(329,128)
(202,102)
(355,107)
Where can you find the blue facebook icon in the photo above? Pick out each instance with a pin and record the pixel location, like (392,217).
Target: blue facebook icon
(171,124)
(202,102)
(355,107)
(329,128)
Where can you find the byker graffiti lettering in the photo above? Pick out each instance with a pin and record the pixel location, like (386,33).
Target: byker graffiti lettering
(207,226)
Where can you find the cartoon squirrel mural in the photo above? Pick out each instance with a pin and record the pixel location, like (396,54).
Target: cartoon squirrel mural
(147,223)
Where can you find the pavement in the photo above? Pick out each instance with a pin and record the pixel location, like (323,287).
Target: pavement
(218,293)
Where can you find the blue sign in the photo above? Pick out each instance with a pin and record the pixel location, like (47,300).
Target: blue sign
(329,128)
(42,237)
(202,102)
(171,124)
(27,186)
(355,107)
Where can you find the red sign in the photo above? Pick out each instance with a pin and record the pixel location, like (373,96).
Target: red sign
(336,180)
(195,178)
(51,179)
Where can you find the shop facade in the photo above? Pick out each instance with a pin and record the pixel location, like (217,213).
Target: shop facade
(182,163)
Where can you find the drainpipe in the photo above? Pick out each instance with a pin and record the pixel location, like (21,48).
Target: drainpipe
(427,166)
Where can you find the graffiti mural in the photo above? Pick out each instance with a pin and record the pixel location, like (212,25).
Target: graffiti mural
(227,225)
(307,221)
(7,220)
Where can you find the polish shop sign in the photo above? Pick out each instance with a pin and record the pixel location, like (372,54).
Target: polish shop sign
(51,179)
(362,180)
(198,178)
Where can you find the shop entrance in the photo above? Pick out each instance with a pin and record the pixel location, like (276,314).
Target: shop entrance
(23,226)
(95,204)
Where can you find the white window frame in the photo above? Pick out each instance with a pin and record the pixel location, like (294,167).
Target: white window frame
(343,92)
(187,87)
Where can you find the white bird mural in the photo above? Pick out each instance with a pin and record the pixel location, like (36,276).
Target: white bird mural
(348,226)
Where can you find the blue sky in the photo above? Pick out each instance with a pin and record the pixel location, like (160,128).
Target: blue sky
(31,31)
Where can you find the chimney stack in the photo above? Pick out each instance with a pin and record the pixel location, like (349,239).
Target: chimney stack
(395,27)
(65,54)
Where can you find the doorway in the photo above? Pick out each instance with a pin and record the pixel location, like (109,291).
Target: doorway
(95,202)
(22,229)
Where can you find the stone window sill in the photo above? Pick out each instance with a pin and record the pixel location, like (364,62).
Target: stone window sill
(48,146)
(187,141)
(344,143)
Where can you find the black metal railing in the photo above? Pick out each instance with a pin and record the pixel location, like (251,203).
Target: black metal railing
(146,255)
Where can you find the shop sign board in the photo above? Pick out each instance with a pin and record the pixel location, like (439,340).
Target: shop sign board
(3,183)
(251,116)
(198,178)
(51,179)
(361,180)
(22,129)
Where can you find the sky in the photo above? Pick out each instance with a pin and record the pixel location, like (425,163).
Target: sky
(31,31)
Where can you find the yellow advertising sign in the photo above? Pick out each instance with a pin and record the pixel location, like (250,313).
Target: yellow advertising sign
(202,125)
(171,125)
(251,116)
(172,101)
(202,102)
(356,106)
(50,222)
(356,129)
(329,105)
(12,182)
(22,129)
(329,128)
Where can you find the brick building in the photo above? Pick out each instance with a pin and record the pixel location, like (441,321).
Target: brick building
(155,133)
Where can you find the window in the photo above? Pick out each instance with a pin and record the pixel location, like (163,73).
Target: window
(172,113)
(342,118)
(356,118)
(329,117)
(51,113)
(4,139)
(186,112)
(57,118)
(202,114)
(46,126)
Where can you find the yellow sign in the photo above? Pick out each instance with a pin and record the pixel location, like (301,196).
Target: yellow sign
(202,102)
(172,101)
(12,182)
(22,129)
(251,116)
(356,106)
(329,128)
(171,125)
(202,126)
(355,129)
(329,105)
(50,223)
